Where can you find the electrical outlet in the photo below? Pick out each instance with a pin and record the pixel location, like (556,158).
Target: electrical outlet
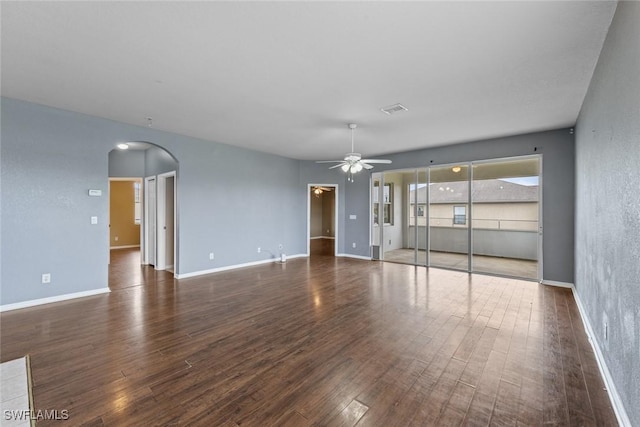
(354,244)
(46,278)
(116,238)
(211,255)
(259,249)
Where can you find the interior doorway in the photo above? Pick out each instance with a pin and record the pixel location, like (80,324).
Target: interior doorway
(165,221)
(322,224)
(125,213)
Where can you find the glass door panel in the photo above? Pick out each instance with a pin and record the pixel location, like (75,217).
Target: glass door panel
(448,209)
(376,230)
(393,217)
(421,213)
(506,206)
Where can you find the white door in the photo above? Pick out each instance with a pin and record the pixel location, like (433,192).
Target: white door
(150,220)
(165,221)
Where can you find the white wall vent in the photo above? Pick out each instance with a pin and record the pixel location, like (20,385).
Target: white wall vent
(395,108)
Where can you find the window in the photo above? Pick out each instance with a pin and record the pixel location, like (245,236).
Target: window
(459,215)
(387,203)
(137,205)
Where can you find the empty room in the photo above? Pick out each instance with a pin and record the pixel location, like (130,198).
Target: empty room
(320,213)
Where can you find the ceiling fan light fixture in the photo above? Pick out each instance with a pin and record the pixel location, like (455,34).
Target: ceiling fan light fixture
(353,162)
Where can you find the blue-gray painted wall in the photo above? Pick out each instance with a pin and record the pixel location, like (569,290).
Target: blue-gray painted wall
(557,149)
(230,200)
(126,164)
(608,204)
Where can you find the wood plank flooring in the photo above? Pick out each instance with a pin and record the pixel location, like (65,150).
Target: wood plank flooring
(319,341)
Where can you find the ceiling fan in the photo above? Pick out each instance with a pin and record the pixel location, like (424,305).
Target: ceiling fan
(353,162)
(317,190)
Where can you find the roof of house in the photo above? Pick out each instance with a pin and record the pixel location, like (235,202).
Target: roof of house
(483,191)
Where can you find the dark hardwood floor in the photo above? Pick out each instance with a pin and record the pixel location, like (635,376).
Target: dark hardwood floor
(319,341)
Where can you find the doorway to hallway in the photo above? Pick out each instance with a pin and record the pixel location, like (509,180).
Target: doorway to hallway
(322,224)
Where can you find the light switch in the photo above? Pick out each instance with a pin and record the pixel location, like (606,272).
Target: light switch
(352,217)
(94,220)
(95,193)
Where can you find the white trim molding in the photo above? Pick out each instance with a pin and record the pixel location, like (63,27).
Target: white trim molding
(616,401)
(235,266)
(49,300)
(557,284)
(366,258)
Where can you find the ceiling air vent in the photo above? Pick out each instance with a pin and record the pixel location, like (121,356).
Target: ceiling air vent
(395,108)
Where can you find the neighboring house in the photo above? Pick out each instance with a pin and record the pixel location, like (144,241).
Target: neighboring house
(497,204)
(505,218)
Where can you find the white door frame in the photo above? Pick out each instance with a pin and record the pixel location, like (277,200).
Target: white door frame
(148,210)
(335,216)
(161,240)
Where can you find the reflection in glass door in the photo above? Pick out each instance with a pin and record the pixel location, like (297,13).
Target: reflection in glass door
(418,213)
(429,216)
(506,217)
(449,216)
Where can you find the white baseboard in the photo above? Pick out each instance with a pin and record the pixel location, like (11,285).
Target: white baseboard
(124,247)
(616,402)
(235,266)
(558,284)
(366,258)
(49,300)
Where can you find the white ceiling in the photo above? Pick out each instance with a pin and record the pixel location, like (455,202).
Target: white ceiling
(287,77)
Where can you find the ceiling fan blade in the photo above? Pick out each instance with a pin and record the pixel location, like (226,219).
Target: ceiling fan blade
(366,166)
(338,165)
(376,161)
(329,161)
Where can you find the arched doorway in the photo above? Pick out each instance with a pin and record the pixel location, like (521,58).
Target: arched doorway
(153,173)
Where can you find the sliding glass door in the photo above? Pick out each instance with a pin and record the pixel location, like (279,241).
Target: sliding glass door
(449,216)
(506,217)
(477,216)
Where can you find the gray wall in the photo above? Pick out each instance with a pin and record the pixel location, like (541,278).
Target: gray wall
(316,216)
(126,163)
(158,161)
(50,159)
(557,148)
(328,213)
(140,163)
(608,204)
(322,214)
